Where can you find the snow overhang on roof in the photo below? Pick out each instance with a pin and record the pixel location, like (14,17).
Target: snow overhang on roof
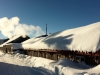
(86,39)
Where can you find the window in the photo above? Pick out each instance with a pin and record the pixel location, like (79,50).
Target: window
(79,59)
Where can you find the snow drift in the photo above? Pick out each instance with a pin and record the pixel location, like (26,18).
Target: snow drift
(19,64)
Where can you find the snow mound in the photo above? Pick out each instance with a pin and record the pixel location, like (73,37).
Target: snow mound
(19,64)
(1,53)
(69,63)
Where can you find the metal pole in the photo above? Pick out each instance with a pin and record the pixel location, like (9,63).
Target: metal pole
(46,29)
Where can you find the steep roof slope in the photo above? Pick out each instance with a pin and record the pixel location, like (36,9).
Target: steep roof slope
(86,38)
(16,39)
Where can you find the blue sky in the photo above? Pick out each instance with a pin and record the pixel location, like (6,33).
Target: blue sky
(58,14)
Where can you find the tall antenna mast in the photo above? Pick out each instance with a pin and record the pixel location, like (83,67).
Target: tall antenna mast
(46,29)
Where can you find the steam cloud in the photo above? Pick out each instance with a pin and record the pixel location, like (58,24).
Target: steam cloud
(11,27)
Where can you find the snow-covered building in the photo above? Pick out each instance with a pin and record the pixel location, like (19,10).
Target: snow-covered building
(78,44)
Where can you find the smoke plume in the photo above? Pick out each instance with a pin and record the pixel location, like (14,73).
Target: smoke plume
(12,27)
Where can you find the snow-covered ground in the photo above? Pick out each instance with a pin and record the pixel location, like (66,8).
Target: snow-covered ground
(18,64)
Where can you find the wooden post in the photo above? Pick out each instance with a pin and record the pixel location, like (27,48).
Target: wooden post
(52,56)
(55,56)
(38,54)
(43,55)
(87,60)
(30,52)
(48,55)
(98,59)
(33,53)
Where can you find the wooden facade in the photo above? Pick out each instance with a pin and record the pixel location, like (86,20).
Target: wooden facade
(91,59)
(6,49)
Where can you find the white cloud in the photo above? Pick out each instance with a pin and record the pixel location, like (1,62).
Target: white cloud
(11,27)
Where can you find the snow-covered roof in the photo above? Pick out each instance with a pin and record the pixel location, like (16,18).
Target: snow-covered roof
(11,39)
(86,38)
(15,41)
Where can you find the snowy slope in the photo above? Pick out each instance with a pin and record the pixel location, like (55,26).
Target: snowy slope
(86,38)
(18,64)
(32,40)
(28,43)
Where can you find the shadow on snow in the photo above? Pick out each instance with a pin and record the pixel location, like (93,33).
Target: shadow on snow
(59,42)
(10,69)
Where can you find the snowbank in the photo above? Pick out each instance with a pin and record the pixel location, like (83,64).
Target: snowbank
(18,64)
